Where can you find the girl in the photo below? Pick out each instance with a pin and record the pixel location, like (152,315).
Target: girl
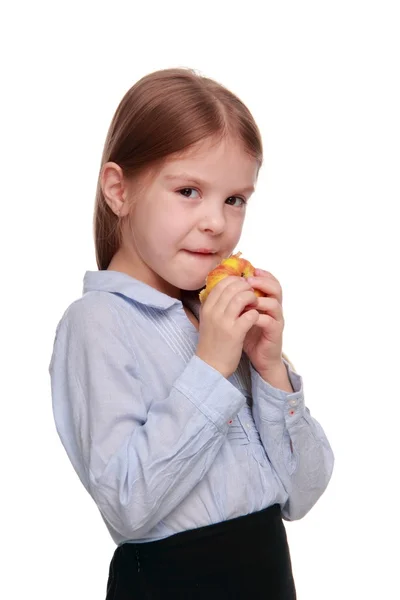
(186,425)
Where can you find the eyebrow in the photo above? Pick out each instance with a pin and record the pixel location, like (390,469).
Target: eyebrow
(201,183)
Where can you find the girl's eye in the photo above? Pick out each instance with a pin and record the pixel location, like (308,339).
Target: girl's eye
(242,200)
(184,190)
(187,193)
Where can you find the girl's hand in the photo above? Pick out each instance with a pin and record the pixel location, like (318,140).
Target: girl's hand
(224,322)
(263,342)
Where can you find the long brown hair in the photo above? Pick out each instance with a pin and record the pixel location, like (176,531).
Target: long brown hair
(165,113)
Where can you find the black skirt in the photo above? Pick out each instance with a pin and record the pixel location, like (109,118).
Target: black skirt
(244,558)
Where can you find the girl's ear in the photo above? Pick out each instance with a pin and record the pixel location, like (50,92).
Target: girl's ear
(114,187)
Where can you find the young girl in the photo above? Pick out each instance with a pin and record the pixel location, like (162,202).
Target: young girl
(186,424)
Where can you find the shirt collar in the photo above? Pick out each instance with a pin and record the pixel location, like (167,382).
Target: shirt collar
(121,283)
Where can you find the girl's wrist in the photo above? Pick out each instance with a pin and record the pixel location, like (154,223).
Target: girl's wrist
(277,376)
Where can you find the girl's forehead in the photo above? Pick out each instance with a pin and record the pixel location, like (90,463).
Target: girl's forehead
(209,161)
(203,149)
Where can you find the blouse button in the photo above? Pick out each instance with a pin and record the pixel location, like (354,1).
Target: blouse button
(293,402)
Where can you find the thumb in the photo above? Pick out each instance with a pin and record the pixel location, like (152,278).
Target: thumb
(248,319)
(252,315)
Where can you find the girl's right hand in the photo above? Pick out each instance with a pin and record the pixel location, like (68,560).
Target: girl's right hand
(223,327)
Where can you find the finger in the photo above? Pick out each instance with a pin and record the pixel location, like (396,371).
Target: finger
(270,306)
(238,303)
(261,273)
(225,289)
(269,325)
(246,321)
(270,287)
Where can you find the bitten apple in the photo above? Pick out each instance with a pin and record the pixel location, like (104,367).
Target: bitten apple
(233,265)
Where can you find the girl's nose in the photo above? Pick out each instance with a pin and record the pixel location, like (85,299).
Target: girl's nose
(213,221)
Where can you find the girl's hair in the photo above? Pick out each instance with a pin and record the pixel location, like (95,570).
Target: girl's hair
(164,113)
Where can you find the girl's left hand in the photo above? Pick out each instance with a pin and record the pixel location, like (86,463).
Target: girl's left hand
(263,343)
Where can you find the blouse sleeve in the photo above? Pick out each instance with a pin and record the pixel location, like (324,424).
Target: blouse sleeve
(294,441)
(138,462)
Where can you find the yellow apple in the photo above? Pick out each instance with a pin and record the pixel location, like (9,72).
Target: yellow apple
(233,265)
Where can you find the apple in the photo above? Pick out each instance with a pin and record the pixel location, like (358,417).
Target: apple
(233,265)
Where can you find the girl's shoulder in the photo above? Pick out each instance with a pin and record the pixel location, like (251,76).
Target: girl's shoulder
(96,317)
(92,307)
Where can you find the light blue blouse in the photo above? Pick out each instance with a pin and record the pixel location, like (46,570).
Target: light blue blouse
(161,440)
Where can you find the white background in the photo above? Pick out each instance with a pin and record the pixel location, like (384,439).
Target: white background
(322,80)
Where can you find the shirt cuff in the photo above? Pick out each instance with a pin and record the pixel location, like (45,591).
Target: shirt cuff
(274,403)
(212,394)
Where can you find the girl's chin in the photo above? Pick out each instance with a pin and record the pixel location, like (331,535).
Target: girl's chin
(191,284)
(194,274)
(193,287)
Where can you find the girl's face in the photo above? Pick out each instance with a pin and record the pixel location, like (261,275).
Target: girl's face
(195,201)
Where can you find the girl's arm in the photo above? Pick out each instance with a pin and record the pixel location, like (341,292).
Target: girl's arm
(138,462)
(294,441)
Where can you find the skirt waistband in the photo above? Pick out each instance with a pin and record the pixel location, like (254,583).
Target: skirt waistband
(236,527)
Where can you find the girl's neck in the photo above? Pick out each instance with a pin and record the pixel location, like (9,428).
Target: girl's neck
(123,264)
